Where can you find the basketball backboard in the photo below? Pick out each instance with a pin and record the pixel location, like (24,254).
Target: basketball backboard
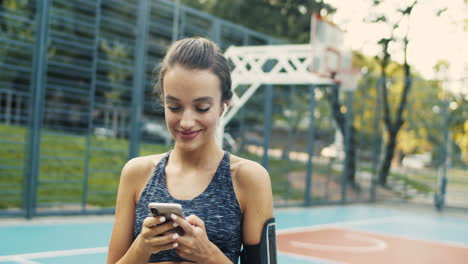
(330,56)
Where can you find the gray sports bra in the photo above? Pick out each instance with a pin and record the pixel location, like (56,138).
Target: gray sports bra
(217,206)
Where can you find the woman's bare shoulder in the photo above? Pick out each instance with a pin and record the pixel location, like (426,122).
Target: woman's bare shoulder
(247,172)
(137,172)
(141,165)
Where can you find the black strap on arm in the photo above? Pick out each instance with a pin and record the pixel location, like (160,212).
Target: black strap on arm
(265,252)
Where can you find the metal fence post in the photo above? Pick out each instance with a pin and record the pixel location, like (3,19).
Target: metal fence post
(377,142)
(442,179)
(92,92)
(267,125)
(175,22)
(216,32)
(290,136)
(139,73)
(245,42)
(36,107)
(310,146)
(289,141)
(347,139)
(183,22)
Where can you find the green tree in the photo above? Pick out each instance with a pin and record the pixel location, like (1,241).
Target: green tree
(16,30)
(285,19)
(393,122)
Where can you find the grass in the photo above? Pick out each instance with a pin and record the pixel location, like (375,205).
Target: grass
(63,168)
(420,186)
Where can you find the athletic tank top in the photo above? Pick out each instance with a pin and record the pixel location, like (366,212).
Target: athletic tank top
(217,206)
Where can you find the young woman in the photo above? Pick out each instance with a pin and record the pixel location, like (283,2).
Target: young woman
(227,199)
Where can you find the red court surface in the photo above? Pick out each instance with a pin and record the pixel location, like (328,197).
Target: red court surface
(340,245)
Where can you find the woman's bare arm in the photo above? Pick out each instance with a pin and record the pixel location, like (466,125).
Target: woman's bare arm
(255,185)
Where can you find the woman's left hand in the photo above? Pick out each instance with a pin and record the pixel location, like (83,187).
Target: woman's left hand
(194,244)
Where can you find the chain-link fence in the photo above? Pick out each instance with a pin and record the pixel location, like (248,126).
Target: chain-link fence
(75,104)
(75,94)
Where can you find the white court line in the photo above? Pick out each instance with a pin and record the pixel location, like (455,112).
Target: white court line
(339,224)
(51,254)
(325,226)
(24,261)
(399,236)
(42,221)
(375,245)
(350,224)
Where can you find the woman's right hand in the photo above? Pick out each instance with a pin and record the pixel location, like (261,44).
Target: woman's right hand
(154,236)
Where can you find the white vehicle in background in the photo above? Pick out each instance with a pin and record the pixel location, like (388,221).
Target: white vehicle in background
(333,151)
(156,132)
(417,161)
(102,132)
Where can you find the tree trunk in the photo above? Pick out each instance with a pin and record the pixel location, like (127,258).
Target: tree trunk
(394,127)
(387,161)
(333,98)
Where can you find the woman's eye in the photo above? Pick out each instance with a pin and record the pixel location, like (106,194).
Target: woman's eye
(174,108)
(203,109)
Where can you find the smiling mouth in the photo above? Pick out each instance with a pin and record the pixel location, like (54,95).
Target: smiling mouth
(188,134)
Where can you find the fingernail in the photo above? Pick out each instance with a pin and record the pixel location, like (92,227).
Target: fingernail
(175,236)
(175,245)
(173,216)
(162,219)
(175,224)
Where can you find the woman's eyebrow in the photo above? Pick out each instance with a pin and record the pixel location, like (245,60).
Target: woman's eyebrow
(208,99)
(171,98)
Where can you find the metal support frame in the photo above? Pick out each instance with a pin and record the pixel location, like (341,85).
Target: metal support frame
(310,146)
(270,64)
(36,109)
(347,139)
(92,92)
(291,133)
(376,144)
(273,64)
(92,78)
(268,124)
(442,179)
(175,23)
(216,32)
(139,73)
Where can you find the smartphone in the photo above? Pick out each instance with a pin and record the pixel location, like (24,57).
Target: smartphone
(166,209)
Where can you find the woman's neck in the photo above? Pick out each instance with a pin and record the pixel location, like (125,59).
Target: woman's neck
(200,157)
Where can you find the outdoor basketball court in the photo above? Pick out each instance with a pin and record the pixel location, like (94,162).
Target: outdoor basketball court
(343,234)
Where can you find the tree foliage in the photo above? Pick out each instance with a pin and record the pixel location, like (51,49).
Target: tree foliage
(285,19)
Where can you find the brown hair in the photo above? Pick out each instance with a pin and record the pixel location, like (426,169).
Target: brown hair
(195,53)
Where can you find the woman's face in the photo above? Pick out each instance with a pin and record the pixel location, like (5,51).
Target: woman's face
(192,102)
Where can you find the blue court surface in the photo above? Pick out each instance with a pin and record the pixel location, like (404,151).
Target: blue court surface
(75,240)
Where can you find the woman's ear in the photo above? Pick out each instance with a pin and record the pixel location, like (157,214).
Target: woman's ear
(224,107)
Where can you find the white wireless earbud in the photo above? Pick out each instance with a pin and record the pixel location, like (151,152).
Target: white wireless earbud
(225,106)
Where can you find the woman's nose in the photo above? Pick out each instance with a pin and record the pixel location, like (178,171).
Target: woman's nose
(187,120)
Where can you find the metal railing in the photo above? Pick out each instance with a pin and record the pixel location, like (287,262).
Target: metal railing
(76,104)
(75,95)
